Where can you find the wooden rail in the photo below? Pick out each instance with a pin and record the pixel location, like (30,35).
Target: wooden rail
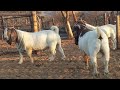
(15,14)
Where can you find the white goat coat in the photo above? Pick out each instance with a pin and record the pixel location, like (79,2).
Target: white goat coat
(89,42)
(38,40)
(35,41)
(107,29)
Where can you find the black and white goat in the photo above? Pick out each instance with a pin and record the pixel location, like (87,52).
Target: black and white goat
(34,41)
(91,42)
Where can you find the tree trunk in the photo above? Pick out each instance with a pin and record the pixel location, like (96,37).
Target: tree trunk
(70,34)
(63,13)
(68,27)
(74,16)
(35,24)
(69,30)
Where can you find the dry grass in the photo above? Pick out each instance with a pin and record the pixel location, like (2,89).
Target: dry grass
(71,68)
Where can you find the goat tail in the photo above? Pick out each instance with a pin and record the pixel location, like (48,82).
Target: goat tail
(55,29)
(99,34)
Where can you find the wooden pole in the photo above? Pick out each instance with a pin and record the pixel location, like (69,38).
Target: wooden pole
(53,22)
(118,31)
(35,24)
(39,23)
(42,22)
(105,19)
(96,20)
(3,22)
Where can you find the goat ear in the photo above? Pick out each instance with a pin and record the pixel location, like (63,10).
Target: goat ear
(78,26)
(13,36)
(10,40)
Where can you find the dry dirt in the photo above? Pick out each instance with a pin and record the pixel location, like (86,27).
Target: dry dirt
(73,67)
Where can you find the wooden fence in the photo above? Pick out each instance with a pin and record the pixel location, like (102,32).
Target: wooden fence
(23,21)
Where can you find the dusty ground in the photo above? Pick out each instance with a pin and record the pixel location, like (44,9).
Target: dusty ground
(71,68)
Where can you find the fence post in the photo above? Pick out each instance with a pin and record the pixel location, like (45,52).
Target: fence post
(35,24)
(118,31)
(105,19)
(53,21)
(4,24)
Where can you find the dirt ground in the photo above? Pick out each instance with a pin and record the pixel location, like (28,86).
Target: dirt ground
(73,67)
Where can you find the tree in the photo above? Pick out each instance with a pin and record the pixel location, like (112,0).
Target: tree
(74,16)
(67,23)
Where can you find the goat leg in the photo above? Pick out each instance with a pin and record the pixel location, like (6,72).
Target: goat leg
(21,57)
(86,58)
(29,52)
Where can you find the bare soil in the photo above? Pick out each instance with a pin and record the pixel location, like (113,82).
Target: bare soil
(73,67)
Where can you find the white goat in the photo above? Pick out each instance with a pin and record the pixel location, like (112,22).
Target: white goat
(35,41)
(109,30)
(91,42)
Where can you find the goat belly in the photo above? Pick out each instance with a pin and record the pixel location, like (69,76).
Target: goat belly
(35,45)
(39,47)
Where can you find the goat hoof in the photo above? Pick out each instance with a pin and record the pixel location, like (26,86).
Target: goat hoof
(63,58)
(51,58)
(96,74)
(32,62)
(20,62)
(106,73)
